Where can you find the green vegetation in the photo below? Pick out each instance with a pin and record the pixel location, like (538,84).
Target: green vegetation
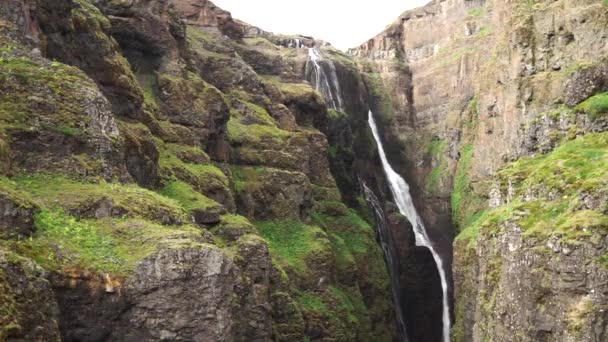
(185,195)
(179,163)
(464,201)
(292,242)
(577,316)
(8,307)
(557,181)
(437,148)
(312,302)
(57,192)
(86,11)
(240,133)
(57,83)
(476,12)
(381,97)
(115,246)
(595,106)
(483,32)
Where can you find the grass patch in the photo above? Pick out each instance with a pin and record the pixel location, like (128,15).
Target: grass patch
(114,246)
(596,106)
(291,242)
(558,182)
(57,192)
(187,197)
(240,133)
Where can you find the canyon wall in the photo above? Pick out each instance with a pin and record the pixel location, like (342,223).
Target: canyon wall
(167,173)
(499,108)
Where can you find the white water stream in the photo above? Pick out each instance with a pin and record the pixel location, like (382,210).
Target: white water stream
(403,199)
(322,78)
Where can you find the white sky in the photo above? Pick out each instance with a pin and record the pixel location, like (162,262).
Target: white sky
(343,23)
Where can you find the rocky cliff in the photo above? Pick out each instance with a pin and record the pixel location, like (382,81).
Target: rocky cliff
(167,173)
(500,109)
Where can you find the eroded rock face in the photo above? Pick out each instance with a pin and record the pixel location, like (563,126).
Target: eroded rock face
(195,284)
(537,290)
(29,310)
(476,84)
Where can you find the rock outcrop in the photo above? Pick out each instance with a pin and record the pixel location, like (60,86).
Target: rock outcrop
(166,174)
(475,89)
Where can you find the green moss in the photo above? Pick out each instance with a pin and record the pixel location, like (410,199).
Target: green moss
(381,97)
(291,242)
(312,302)
(335,114)
(86,11)
(436,149)
(56,192)
(483,32)
(595,106)
(115,246)
(174,167)
(557,179)
(577,316)
(476,12)
(58,84)
(463,195)
(240,133)
(603,260)
(190,199)
(10,190)
(8,309)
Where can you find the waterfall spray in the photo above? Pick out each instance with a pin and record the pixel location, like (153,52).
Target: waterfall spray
(401,193)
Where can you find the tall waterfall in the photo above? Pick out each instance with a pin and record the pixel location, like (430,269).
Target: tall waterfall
(386,242)
(403,199)
(325,79)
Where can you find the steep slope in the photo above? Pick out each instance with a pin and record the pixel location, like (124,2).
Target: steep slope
(168,174)
(500,107)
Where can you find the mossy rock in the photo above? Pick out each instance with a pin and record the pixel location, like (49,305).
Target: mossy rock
(206,179)
(296,246)
(101,200)
(265,193)
(547,193)
(17,211)
(203,209)
(114,246)
(64,116)
(232,227)
(28,310)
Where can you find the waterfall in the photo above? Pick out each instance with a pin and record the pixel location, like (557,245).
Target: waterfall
(386,243)
(325,81)
(403,199)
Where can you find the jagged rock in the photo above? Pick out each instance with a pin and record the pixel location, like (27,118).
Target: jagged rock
(29,309)
(16,215)
(272,193)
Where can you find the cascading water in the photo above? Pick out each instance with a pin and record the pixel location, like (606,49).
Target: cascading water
(401,193)
(386,242)
(325,81)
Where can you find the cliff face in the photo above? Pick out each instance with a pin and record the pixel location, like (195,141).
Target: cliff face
(168,174)
(500,108)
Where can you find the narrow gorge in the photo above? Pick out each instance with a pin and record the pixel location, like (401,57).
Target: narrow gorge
(171,173)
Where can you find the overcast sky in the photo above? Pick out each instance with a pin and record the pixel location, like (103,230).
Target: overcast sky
(343,23)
